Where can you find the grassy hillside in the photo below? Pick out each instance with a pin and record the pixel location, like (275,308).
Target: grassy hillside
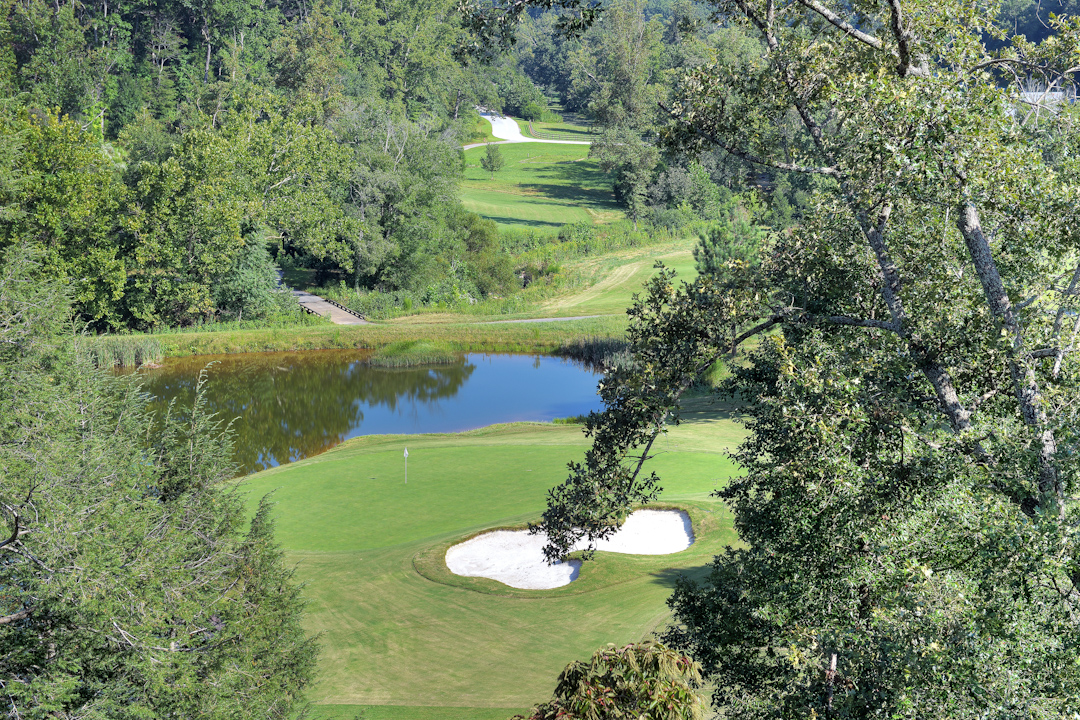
(541,186)
(402,634)
(609,282)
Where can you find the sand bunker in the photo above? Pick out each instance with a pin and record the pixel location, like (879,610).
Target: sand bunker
(515,558)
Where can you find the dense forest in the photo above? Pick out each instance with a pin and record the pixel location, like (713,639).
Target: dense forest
(166,157)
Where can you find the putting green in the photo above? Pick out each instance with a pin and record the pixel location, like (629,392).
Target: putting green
(401,633)
(541,185)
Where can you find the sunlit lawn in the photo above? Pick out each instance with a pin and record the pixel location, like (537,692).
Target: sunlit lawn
(540,186)
(402,636)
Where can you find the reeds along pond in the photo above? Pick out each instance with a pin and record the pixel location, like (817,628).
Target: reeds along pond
(108,351)
(597,351)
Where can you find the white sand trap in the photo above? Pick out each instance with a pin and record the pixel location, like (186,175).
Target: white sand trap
(516,558)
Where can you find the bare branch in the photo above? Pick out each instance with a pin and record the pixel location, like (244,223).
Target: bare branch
(840,24)
(751,157)
(903,42)
(21,615)
(757,329)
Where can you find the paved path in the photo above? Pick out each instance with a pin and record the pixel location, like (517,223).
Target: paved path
(509,132)
(322,307)
(551,319)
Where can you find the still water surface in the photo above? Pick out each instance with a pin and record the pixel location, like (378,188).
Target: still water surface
(292,405)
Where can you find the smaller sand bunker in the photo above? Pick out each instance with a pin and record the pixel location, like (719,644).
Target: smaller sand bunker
(515,558)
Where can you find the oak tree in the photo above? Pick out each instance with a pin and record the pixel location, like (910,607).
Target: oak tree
(908,506)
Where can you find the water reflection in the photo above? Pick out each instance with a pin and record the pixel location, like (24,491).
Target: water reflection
(292,405)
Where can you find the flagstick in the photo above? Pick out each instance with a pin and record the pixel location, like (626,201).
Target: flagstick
(406,466)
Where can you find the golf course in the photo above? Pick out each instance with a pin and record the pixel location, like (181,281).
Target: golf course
(369,546)
(541,186)
(402,637)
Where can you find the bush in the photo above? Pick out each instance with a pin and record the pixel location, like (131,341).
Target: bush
(532,111)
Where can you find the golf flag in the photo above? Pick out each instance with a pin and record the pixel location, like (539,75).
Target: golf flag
(406,453)
(406,466)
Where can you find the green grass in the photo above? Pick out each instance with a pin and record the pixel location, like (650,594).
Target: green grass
(409,353)
(482,132)
(611,280)
(540,186)
(455,332)
(400,634)
(410,712)
(555,131)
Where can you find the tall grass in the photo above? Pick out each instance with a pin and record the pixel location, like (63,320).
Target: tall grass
(547,338)
(107,351)
(411,353)
(598,351)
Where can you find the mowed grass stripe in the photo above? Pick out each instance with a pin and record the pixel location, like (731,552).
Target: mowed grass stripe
(539,186)
(393,637)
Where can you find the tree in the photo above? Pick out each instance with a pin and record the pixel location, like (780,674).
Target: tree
(730,246)
(64,198)
(908,505)
(189,218)
(645,681)
(132,583)
(493,160)
(620,150)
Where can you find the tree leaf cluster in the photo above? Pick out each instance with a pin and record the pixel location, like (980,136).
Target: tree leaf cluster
(132,582)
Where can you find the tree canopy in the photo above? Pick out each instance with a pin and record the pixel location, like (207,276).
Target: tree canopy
(132,582)
(908,506)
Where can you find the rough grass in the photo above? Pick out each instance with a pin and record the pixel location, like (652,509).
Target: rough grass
(401,635)
(482,132)
(410,712)
(410,353)
(106,351)
(541,186)
(555,131)
(601,285)
(611,280)
(449,331)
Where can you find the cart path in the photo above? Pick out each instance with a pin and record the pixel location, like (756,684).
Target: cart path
(508,131)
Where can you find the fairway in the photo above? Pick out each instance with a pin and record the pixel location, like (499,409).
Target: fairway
(614,279)
(540,186)
(403,637)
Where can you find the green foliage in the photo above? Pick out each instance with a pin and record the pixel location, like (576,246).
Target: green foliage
(646,681)
(532,111)
(493,160)
(191,212)
(66,203)
(908,509)
(131,585)
(732,246)
(251,287)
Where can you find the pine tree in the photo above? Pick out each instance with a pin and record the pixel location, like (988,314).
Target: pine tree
(131,583)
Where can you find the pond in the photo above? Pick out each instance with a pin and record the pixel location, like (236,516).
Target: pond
(289,406)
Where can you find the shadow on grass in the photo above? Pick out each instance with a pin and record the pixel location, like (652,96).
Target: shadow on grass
(503,220)
(709,407)
(669,576)
(572,194)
